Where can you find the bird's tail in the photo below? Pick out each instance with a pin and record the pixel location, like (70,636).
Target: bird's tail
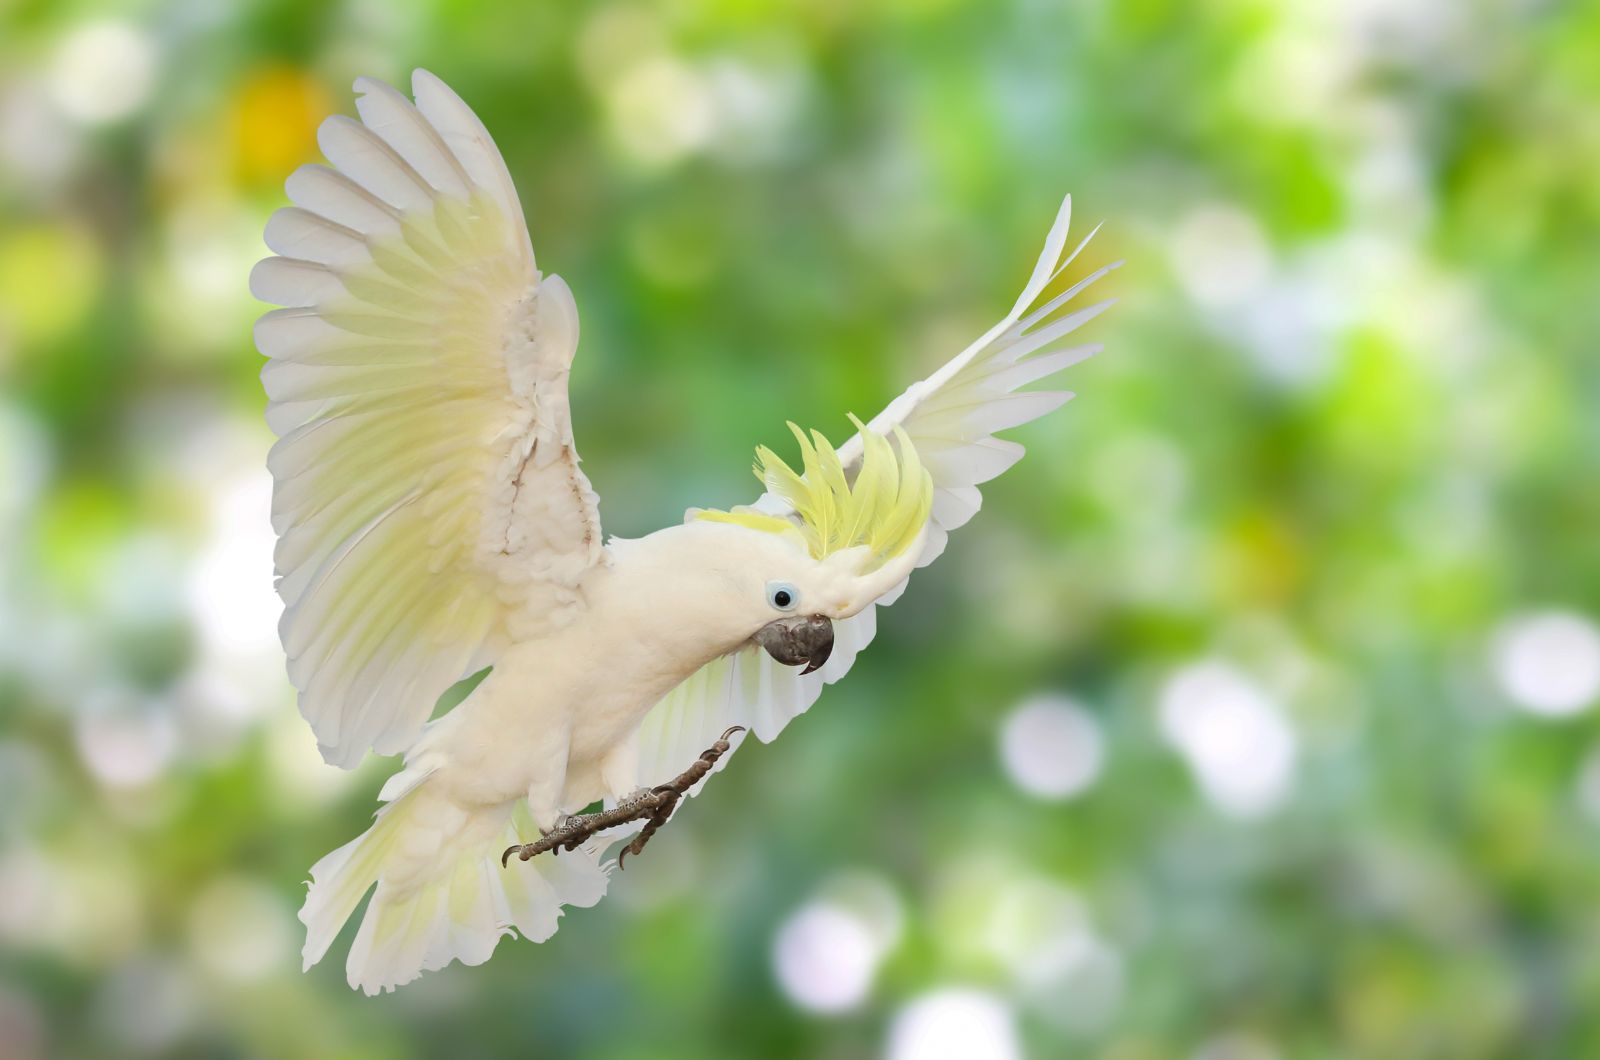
(442,893)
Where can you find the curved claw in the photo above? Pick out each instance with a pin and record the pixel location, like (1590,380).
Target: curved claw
(620,857)
(505,859)
(731,730)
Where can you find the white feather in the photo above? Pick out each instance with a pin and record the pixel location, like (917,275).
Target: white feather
(360,154)
(954,506)
(286,333)
(442,894)
(297,233)
(963,463)
(471,143)
(291,282)
(334,196)
(973,412)
(1029,341)
(392,117)
(1033,369)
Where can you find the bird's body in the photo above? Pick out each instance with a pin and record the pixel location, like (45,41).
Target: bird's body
(571,702)
(433,521)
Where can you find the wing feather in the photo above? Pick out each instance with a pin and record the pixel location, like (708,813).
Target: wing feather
(364,157)
(393,118)
(471,143)
(330,194)
(298,233)
(292,282)
(427,495)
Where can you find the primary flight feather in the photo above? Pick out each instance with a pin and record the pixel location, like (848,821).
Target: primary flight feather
(433,520)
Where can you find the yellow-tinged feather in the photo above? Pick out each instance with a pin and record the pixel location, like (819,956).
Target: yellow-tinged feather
(884,508)
(754,520)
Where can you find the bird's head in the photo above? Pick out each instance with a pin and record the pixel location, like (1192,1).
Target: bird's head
(824,544)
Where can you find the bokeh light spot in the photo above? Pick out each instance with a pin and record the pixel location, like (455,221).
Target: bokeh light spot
(103,71)
(824,957)
(1236,742)
(1220,256)
(1051,747)
(955,1023)
(230,589)
(126,744)
(661,110)
(240,929)
(1548,663)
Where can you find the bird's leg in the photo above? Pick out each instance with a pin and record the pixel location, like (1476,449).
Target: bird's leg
(653,807)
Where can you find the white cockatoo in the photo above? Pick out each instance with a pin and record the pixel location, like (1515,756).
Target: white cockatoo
(432,521)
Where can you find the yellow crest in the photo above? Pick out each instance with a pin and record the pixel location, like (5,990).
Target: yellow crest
(883,509)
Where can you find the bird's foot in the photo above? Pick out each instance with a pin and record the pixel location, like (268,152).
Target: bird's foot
(652,806)
(666,796)
(563,822)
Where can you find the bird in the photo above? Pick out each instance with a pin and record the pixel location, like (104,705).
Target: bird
(433,522)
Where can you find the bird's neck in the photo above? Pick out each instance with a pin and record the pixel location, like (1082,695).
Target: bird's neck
(670,590)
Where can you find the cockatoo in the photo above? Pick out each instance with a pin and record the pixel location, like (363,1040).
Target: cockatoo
(433,521)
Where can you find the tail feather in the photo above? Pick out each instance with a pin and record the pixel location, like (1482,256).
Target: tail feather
(442,894)
(338,883)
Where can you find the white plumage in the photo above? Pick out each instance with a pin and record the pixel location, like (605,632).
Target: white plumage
(433,520)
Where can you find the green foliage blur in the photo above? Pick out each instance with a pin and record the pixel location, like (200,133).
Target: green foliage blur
(1251,720)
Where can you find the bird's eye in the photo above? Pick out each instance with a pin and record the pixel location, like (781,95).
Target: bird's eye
(783,596)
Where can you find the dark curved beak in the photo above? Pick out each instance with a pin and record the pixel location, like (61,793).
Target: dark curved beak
(798,639)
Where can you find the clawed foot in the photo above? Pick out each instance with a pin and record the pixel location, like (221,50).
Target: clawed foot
(653,807)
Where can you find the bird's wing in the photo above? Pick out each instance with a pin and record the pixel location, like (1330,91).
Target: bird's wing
(950,418)
(427,496)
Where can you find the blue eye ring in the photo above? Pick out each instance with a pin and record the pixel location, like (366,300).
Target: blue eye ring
(782,596)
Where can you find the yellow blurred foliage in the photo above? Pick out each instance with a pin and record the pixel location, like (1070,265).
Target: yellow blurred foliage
(1261,559)
(49,276)
(273,122)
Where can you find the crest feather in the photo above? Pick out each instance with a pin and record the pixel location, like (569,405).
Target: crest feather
(883,509)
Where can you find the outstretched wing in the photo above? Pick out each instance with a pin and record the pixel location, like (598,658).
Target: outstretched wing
(951,418)
(427,496)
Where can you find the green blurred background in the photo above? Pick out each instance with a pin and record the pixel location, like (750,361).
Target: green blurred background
(1253,718)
